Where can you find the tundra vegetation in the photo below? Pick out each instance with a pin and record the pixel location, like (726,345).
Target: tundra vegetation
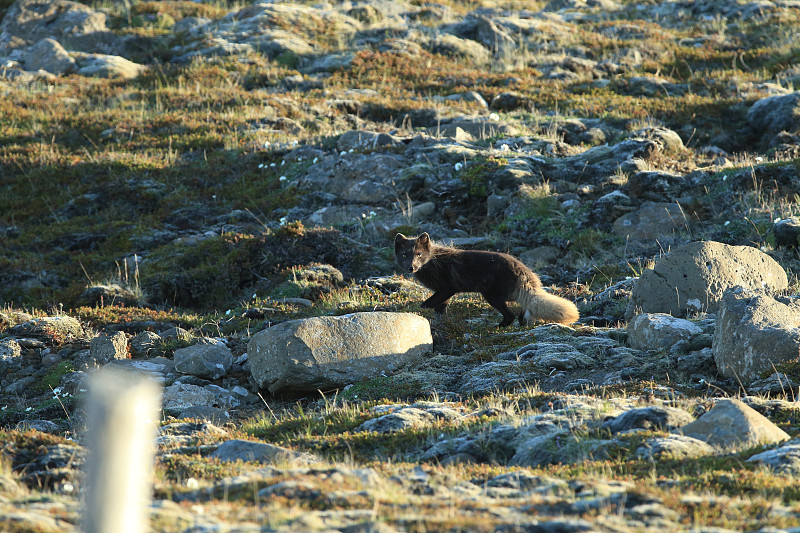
(177,177)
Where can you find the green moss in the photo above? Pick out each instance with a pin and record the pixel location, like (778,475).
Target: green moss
(54,375)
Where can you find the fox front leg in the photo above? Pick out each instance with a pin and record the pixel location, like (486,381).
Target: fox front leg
(438,301)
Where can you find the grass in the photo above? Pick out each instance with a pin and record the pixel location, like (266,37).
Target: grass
(185,169)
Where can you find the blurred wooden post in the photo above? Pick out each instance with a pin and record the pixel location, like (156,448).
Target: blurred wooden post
(122,415)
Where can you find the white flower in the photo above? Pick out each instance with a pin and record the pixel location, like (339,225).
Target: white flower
(759,159)
(67,487)
(283,221)
(342,153)
(261,165)
(458,166)
(363,215)
(504,148)
(282,178)
(272,165)
(213,196)
(283,162)
(192,483)
(3,408)
(316,159)
(350,151)
(228,312)
(727,222)
(494,116)
(266,144)
(724,177)
(372,214)
(777,219)
(299,158)
(294,142)
(28,409)
(254,296)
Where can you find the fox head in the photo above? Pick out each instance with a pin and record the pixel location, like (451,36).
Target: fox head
(412,253)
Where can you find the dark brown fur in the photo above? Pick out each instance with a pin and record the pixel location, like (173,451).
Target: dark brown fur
(498,277)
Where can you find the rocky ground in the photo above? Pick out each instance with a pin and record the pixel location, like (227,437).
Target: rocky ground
(188,184)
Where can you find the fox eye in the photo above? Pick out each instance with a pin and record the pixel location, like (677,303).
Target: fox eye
(419,254)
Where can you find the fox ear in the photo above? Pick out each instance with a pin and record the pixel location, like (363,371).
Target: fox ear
(423,239)
(399,238)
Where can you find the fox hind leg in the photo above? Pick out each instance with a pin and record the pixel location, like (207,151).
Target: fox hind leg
(499,303)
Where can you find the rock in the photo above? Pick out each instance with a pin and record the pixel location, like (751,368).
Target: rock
(105,348)
(776,384)
(322,353)
(109,294)
(669,140)
(60,329)
(487,32)
(775,114)
(693,278)
(206,413)
(107,66)
(74,25)
(652,220)
(450,45)
(554,355)
(49,55)
(731,426)
(654,418)
(787,232)
(177,333)
(410,417)
(20,386)
(144,343)
(541,255)
(784,459)
(509,101)
(9,349)
(656,185)
(242,450)
(657,331)
(180,396)
(208,358)
(673,447)
(754,334)
(45,426)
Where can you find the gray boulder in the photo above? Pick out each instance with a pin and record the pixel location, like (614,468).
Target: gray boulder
(74,25)
(652,220)
(784,459)
(658,331)
(243,450)
(107,66)
(60,328)
(49,55)
(181,396)
(655,417)
(106,348)
(142,344)
(693,277)
(754,333)
(732,425)
(208,358)
(775,114)
(674,447)
(302,356)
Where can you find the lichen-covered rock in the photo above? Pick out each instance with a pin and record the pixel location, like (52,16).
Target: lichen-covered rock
(693,277)
(673,447)
(106,348)
(774,114)
(208,358)
(651,220)
(655,417)
(243,450)
(52,328)
(107,66)
(50,56)
(74,25)
(658,331)
(784,459)
(732,425)
(322,353)
(754,333)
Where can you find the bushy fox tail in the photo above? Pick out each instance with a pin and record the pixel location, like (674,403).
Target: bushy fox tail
(540,305)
